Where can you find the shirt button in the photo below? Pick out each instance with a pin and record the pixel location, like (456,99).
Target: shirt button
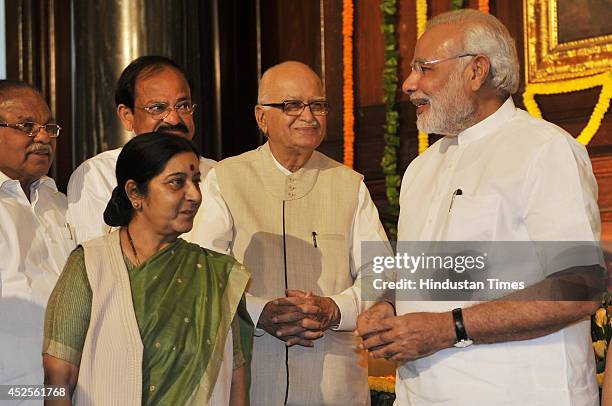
(152,388)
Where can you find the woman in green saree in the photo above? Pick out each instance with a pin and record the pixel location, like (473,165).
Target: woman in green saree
(140,316)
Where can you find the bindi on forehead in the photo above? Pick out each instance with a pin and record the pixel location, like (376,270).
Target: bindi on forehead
(192,167)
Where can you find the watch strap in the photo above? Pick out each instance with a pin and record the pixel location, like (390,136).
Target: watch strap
(459,326)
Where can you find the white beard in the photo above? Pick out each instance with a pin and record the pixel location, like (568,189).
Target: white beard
(450,110)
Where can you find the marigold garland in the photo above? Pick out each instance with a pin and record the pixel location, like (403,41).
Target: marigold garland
(421,16)
(601,333)
(382,383)
(421,23)
(604,80)
(483,5)
(349,101)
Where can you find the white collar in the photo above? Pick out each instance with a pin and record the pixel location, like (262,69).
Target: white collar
(44,180)
(489,125)
(280,167)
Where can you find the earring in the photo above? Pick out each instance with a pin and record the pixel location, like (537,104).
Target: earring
(136,205)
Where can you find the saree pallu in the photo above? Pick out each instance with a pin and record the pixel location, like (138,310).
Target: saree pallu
(156,337)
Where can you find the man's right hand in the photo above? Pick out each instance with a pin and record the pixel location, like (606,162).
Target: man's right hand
(287,319)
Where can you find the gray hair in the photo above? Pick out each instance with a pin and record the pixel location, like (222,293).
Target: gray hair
(484,34)
(8,88)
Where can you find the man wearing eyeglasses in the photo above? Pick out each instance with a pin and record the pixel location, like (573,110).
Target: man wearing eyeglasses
(296,219)
(152,95)
(497,175)
(35,239)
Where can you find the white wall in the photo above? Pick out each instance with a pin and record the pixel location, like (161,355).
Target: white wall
(2,42)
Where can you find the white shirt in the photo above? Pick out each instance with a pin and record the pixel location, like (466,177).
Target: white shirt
(216,220)
(34,244)
(90,188)
(522,179)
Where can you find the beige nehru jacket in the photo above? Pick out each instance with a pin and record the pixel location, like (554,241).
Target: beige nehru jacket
(110,370)
(274,219)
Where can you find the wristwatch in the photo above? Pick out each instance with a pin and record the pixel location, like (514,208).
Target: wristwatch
(462,337)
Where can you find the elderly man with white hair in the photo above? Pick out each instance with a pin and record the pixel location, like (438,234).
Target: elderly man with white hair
(297,220)
(498,174)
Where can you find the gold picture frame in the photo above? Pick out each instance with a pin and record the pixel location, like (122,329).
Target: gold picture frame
(549,58)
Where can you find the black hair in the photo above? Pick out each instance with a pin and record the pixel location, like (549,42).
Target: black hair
(141,159)
(125,89)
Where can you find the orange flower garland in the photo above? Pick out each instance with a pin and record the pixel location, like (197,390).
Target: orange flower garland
(483,5)
(349,100)
(421,22)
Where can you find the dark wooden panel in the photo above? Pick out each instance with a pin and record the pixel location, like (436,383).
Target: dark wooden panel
(369,55)
(332,27)
(436,7)
(238,43)
(64,163)
(510,13)
(369,149)
(290,30)
(38,52)
(407,32)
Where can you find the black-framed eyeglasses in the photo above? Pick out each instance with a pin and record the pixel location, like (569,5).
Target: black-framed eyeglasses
(31,129)
(417,66)
(159,111)
(296,107)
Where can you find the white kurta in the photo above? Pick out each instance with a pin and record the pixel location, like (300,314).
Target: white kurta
(523,179)
(90,188)
(216,220)
(34,244)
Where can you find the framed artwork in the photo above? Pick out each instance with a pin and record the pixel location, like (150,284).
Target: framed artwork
(567,39)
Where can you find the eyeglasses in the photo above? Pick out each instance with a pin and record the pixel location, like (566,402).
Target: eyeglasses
(417,66)
(31,129)
(296,107)
(159,111)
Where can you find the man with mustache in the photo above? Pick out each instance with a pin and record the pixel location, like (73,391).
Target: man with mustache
(498,174)
(152,94)
(296,219)
(35,239)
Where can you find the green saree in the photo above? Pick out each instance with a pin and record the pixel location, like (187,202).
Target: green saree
(185,300)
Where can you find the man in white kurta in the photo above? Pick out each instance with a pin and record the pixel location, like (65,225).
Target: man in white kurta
(521,179)
(152,94)
(35,239)
(296,219)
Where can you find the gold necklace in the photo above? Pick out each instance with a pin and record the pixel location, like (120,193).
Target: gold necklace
(127,228)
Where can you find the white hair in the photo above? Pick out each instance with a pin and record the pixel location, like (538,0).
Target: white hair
(484,34)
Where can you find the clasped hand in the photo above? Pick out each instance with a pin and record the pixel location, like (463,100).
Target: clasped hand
(406,337)
(300,318)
